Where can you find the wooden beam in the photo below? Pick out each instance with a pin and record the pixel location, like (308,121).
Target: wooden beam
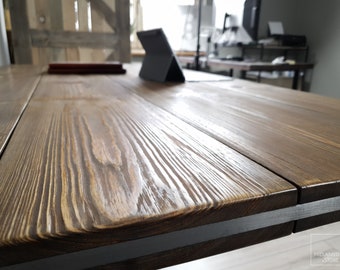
(123,26)
(104,10)
(67,39)
(20,32)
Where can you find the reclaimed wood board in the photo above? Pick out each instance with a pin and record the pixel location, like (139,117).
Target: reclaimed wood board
(17,84)
(294,134)
(46,31)
(91,164)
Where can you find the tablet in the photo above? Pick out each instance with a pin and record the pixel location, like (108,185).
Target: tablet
(161,64)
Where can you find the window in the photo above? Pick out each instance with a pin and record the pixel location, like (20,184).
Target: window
(178,18)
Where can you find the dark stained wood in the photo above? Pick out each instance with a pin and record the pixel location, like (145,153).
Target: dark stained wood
(294,134)
(100,160)
(91,163)
(17,85)
(86,68)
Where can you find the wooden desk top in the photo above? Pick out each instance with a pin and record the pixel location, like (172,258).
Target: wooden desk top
(294,134)
(17,86)
(104,159)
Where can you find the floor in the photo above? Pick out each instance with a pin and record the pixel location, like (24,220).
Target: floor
(317,249)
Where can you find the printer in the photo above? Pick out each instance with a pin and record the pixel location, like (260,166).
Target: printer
(275,31)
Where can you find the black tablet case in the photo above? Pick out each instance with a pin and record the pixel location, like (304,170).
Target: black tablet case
(160,63)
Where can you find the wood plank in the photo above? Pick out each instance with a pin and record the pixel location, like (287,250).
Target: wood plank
(7,17)
(101,165)
(104,21)
(20,33)
(123,28)
(45,16)
(85,54)
(17,85)
(42,55)
(56,15)
(71,39)
(57,24)
(103,16)
(69,19)
(294,134)
(10,113)
(33,20)
(83,16)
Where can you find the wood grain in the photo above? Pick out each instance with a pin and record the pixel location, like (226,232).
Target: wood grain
(294,134)
(91,163)
(17,85)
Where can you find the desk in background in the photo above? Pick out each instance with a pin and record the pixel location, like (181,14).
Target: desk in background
(245,66)
(114,170)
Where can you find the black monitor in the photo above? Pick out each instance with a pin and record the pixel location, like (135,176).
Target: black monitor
(251,17)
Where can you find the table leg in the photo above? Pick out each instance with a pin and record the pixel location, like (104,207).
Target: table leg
(231,72)
(296,79)
(243,74)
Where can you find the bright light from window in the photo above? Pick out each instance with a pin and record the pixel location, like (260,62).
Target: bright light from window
(185,2)
(76,10)
(178,18)
(89,16)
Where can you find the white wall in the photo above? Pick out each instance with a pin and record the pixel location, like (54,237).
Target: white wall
(179,21)
(319,21)
(284,11)
(232,7)
(321,24)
